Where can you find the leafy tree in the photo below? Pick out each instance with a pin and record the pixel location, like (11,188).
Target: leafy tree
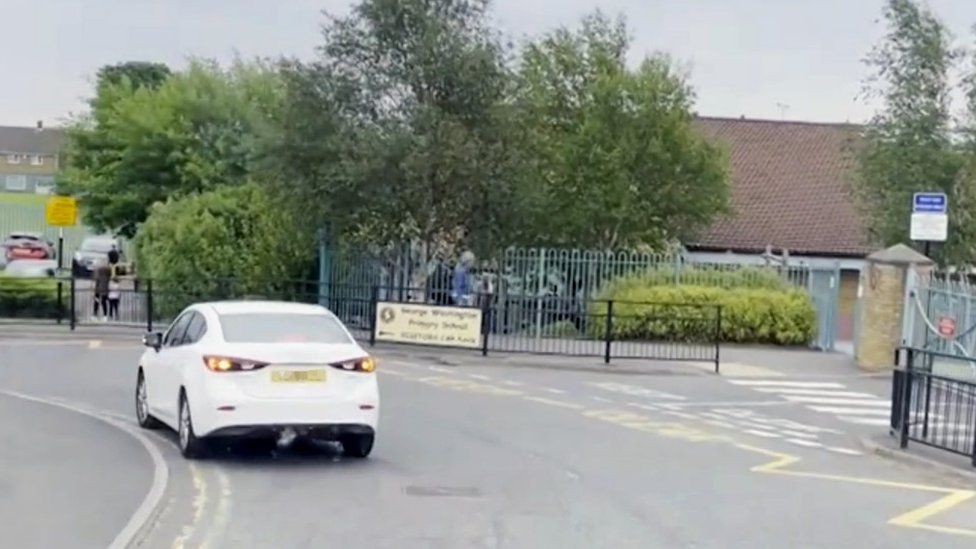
(616,160)
(400,131)
(192,131)
(192,245)
(907,146)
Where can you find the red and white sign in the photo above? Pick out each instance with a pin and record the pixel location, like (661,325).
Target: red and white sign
(947,327)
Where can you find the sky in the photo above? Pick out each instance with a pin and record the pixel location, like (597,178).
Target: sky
(773,59)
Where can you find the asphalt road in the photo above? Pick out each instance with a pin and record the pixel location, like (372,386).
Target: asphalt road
(477,455)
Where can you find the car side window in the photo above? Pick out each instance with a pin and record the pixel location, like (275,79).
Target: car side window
(174,336)
(195,329)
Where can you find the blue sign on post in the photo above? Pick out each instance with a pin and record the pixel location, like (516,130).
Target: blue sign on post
(930,203)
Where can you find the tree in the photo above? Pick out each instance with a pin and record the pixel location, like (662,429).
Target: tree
(400,131)
(192,245)
(148,137)
(907,146)
(616,160)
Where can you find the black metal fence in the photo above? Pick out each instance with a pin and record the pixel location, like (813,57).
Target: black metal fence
(933,409)
(542,325)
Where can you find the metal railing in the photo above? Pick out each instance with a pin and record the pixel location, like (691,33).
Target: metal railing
(933,409)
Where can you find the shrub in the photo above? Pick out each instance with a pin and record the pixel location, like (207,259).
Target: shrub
(667,313)
(29,297)
(748,277)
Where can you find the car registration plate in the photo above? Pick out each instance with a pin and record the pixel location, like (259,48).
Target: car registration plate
(298,376)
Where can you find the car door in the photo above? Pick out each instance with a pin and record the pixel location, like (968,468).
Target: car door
(182,355)
(163,370)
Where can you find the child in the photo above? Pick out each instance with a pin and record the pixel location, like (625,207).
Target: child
(114,295)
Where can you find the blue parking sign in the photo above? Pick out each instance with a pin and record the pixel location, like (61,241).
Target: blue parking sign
(930,203)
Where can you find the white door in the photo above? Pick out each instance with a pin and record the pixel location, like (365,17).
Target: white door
(163,397)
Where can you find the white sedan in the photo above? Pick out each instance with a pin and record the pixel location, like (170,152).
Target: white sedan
(258,369)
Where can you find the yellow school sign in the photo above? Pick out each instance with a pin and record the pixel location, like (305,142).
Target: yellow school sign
(61,211)
(428,325)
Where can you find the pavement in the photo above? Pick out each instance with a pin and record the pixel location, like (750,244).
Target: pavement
(531,452)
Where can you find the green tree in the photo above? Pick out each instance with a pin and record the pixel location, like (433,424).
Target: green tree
(907,145)
(192,131)
(614,156)
(191,245)
(400,131)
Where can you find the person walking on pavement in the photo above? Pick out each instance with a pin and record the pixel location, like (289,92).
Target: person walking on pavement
(102,276)
(114,296)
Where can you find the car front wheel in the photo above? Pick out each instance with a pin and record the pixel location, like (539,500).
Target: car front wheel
(190,446)
(357,446)
(146,420)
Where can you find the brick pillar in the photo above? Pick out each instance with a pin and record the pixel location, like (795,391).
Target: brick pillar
(882,289)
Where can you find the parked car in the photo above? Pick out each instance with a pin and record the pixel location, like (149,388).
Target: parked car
(23,245)
(92,249)
(31,268)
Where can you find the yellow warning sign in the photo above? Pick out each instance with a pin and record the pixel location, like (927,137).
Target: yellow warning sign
(61,211)
(428,325)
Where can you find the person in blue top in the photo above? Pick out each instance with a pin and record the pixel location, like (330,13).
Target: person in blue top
(461,280)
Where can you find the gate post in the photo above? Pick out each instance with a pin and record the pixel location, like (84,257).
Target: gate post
(60,301)
(149,306)
(373,299)
(608,333)
(906,398)
(72,319)
(718,336)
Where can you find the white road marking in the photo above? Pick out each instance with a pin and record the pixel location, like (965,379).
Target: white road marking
(798,434)
(733,403)
(157,488)
(94,344)
(802,442)
(683,415)
(511,383)
(796,384)
(880,422)
(442,370)
(840,401)
(479,377)
(850,411)
(764,434)
(199,506)
(717,423)
(845,451)
(557,403)
(643,406)
(814,392)
(601,399)
(222,515)
(635,390)
(555,391)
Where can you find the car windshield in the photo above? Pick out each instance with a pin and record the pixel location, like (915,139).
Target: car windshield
(103,246)
(282,328)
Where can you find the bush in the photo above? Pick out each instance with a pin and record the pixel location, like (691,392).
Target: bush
(748,277)
(29,297)
(230,242)
(668,313)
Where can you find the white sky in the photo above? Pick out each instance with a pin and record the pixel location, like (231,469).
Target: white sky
(746,57)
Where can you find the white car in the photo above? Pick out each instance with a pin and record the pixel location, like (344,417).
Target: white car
(258,369)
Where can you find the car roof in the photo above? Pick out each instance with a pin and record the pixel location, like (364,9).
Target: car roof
(281,307)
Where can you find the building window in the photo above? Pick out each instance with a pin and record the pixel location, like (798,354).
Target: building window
(16,182)
(13,159)
(37,160)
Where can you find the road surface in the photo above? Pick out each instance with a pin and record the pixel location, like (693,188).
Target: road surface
(486,454)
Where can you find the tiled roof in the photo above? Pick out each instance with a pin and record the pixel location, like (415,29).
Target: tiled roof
(15,139)
(790,186)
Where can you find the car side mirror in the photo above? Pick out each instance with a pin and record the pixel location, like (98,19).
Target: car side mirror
(153,339)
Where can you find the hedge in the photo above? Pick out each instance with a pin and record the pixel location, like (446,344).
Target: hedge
(29,297)
(660,313)
(748,277)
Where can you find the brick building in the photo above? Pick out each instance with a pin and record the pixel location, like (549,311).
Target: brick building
(29,158)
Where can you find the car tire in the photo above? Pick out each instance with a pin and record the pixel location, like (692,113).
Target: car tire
(357,446)
(190,446)
(145,419)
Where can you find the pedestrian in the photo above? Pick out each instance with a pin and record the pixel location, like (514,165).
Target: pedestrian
(102,276)
(460,282)
(114,296)
(113,256)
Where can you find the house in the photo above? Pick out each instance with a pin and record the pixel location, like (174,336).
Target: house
(29,158)
(790,190)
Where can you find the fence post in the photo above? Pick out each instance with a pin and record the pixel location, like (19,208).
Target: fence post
(373,298)
(71,319)
(149,306)
(608,333)
(718,336)
(485,322)
(60,301)
(906,398)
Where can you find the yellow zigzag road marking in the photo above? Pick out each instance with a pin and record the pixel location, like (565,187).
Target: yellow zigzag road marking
(631,420)
(911,519)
